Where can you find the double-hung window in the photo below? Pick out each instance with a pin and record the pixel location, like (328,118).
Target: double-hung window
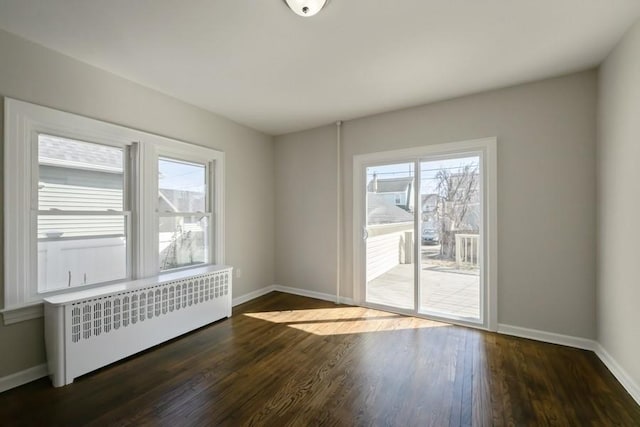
(89,203)
(83,218)
(184,213)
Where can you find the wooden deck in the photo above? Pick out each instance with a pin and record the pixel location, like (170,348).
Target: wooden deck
(287,360)
(445,293)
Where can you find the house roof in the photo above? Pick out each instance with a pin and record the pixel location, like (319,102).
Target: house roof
(68,153)
(380,211)
(390,185)
(171,200)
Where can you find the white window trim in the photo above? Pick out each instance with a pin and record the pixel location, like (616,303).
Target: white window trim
(199,157)
(22,123)
(488,148)
(126,211)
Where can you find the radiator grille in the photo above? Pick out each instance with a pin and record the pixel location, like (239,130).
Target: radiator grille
(107,314)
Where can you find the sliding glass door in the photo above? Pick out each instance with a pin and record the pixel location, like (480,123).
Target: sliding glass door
(389,235)
(422,242)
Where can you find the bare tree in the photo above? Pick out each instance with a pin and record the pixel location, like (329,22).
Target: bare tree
(456,191)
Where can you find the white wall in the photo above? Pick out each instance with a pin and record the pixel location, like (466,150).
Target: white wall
(306,210)
(546,194)
(35,74)
(618,289)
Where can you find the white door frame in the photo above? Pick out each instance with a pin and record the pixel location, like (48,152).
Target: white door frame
(487,147)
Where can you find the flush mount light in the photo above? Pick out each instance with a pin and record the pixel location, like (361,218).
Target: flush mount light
(306,7)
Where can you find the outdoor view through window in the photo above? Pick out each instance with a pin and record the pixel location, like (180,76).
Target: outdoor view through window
(83,218)
(183,221)
(81,215)
(449,210)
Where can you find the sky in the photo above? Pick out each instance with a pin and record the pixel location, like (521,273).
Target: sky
(175,175)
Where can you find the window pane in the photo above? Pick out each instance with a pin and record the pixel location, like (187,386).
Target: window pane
(182,186)
(77,250)
(390,241)
(76,175)
(451,212)
(390,194)
(183,241)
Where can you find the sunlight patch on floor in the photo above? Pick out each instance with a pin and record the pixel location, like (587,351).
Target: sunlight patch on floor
(344,320)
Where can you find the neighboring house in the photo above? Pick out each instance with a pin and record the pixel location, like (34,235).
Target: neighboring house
(470,221)
(429,203)
(72,246)
(170,200)
(180,237)
(78,176)
(396,191)
(389,235)
(381,211)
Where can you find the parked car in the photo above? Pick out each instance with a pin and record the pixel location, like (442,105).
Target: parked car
(430,236)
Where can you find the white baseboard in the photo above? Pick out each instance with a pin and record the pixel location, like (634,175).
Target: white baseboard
(252,295)
(347,301)
(621,375)
(311,294)
(549,337)
(288,290)
(23,377)
(585,344)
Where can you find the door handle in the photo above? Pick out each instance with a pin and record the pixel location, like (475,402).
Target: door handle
(365,233)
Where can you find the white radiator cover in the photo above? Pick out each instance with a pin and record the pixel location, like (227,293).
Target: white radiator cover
(89,329)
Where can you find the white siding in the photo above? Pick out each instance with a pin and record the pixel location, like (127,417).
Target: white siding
(71,197)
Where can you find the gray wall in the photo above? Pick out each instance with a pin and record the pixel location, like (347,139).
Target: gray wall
(306,210)
(546,194)
(32,73)
(618,290)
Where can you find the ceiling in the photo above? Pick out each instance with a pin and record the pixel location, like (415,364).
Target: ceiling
(259,64)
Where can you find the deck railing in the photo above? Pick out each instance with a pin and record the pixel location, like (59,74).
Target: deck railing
(467,250)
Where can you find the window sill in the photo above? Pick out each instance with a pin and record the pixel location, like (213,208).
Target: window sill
(20,314)
(131,285)
(23,313)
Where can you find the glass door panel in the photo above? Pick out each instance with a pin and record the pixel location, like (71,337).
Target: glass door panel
(450,241)
(389,235)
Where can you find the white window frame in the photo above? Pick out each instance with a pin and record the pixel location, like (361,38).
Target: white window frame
(23,122)
(174,153)
(487,149)
(126,211)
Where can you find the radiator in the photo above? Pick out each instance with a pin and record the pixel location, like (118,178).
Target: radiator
(89,329)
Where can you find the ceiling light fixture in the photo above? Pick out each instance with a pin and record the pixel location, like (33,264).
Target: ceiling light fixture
(306,8)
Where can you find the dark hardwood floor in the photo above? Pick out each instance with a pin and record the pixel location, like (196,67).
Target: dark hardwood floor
(288,360)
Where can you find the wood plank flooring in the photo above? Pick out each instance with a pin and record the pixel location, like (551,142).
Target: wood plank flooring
(288,360)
